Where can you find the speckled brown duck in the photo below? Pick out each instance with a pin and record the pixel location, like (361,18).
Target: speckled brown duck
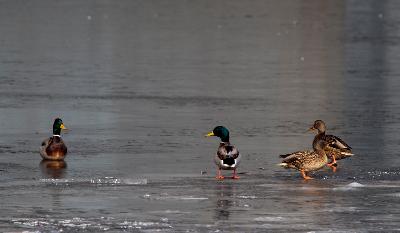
(227,156)
(54,148)
(306,161)
(336,148)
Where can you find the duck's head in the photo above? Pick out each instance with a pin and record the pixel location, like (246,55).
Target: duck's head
(319,125)
(221,132)
(58,126)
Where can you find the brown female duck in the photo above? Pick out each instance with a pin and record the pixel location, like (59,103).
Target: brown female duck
(336,148)
(306,161)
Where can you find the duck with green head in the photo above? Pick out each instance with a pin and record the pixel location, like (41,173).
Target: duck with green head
(54,148)
(227,156)
(307,160)
(336,148)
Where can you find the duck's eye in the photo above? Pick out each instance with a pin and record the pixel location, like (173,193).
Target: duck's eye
(43,143)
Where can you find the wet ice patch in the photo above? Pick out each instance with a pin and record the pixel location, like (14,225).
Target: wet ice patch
(343,209)
(355,185)
(46,223)
(290,187)
(169,212)
(96,181)
(349,187)
(144,225)
(75,222)
(22,231)
(27,222)
(392,194)
(270,219)
(168,197)
(384,174)
(189,198)
(246,197)
(385,184)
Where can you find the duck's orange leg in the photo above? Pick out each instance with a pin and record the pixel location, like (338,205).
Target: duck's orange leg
(332,164)
(219,176)
(303,173)
(234,176)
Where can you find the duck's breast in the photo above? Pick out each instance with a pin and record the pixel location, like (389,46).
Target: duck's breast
(53,148)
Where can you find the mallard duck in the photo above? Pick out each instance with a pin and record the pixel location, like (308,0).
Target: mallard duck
(336,148)
(54,148)
(306,161)
(227,156)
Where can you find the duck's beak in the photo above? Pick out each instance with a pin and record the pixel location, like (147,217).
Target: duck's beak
(311,129)
(209,134)
(62,126)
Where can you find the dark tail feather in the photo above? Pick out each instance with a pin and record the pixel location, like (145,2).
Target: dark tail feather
(284,156)
(229,161)
(346,153)
(346,150)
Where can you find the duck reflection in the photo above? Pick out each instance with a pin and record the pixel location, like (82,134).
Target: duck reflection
(224,195)
(53,169)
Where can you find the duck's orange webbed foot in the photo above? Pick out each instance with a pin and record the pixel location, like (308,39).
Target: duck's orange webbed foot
(234,176)
(303,173)
(219,175)
(333,166)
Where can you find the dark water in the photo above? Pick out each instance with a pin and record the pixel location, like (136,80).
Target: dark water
(140,82)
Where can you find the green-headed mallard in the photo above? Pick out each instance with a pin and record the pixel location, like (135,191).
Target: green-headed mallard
(54,148)
(227,156)
(306,161)
(336,148)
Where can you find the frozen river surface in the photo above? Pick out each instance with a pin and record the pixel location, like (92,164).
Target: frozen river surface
(140,82)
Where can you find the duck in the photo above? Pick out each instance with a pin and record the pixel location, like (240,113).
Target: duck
(54,148)
(227,156)
(307,160)
(336,148)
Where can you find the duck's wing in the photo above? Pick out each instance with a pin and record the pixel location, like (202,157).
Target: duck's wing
(229,154)
(46,142)
(295,159)
(336,142)
(227,151)
(287,155)
(337,147)
(44,146)
(297,155)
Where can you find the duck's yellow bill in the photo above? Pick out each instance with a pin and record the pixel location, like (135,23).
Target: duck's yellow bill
(210,134)
(62,126)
